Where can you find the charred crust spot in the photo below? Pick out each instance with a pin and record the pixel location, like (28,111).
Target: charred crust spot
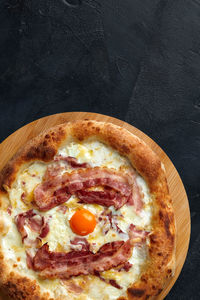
(8,171)
(47,136)
(159,291)
(136,292)
(162,204)
(22,288)
(169,271)
(80,138)
(159,254)
(125,149)
(116,145)
(45,143)
(153,287)
(40,152)
(143,279)
(151,250)
(153,238)
(161,215)
(6,174)
(90,123)
(166,221)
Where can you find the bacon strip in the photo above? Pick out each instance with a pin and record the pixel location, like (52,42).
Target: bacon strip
(72,161)
(64,265)
(35,222)
(126,267)
(58,190)
(105,198)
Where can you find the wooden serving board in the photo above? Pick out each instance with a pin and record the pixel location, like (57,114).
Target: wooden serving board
(180,202)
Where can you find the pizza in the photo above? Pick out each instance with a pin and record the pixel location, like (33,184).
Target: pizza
(85,214)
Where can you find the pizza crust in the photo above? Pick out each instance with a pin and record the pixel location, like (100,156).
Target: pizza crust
(144,160)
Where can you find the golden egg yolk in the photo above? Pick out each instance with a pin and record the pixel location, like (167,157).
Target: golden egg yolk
(82,222)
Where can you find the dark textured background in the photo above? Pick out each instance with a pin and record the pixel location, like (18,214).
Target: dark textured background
(137,60)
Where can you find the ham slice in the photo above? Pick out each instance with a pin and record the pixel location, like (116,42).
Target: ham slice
(64,265)
(29,260)
(56,191)
(80,244)
(135,199)
(71,161)
(109,281)
(137,235)
(72,286)
(35,222)
(52,171)
(110,221)
(62,208)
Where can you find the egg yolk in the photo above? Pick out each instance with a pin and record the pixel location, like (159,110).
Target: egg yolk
(82,222)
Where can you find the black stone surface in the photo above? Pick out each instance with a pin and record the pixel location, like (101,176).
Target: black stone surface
(135,60)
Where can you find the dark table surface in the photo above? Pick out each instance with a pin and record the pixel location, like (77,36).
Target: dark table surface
(138,61)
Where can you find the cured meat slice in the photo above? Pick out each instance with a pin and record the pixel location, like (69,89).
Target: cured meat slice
(64,265)
(58,190)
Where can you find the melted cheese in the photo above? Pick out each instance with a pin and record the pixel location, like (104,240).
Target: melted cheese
(97,154)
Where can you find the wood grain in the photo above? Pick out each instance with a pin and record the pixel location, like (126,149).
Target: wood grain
(180,202)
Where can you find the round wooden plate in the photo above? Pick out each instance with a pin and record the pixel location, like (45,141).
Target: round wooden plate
(180,202)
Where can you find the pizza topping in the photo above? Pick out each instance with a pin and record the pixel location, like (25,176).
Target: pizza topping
(52,171)
(64,265)
(44,231)
(23,196)
(9,210)
(62,208)
(115,284)
(35,222)
(82,222)
(137,234)
(105,198)
(58,190)
(72,161)
(135,199)
(80,244)
(110,221)
(49,202)
(29,260)
(126,267)
(109,281)
(72,286)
